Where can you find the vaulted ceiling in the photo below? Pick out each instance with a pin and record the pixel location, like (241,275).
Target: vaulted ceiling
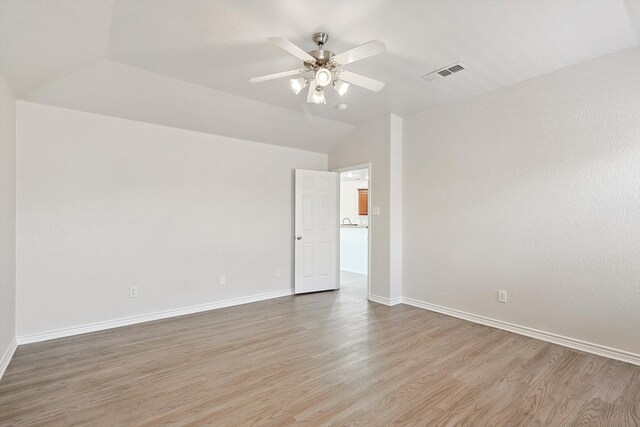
(187,63)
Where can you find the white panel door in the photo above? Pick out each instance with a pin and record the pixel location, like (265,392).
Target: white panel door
(316,231)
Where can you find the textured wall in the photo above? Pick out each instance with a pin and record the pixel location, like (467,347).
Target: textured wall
(369,143)
(7,216)
(534,189)
(106,203)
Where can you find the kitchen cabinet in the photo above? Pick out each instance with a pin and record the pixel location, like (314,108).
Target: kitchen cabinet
(363,201)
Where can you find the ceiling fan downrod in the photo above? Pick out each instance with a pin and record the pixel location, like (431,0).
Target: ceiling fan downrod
(321,55)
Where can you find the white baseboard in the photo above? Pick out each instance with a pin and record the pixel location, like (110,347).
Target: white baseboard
(573,343)
(109,324)
(6,357)
(385,301)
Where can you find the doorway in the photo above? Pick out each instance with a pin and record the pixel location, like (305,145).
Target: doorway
(354,230)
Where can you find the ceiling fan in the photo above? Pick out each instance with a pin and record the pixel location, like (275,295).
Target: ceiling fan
(322,68)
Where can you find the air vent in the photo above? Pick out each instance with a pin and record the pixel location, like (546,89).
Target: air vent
(444,72)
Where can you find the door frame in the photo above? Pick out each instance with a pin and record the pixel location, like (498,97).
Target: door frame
(370,220)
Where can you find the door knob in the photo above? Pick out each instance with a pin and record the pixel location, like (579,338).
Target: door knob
(299,238)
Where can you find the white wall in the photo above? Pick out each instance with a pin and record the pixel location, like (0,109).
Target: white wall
(120,90)
(534,189)
(379,142)
(7,219)
(369,142)
(396,191)
(105,203)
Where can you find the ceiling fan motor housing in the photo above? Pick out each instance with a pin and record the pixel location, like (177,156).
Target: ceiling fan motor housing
(320,38)
(322,56)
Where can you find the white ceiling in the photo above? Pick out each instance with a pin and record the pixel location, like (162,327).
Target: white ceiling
(187,63)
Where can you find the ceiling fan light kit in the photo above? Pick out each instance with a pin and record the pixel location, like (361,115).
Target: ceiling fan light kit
(317,96)
(298,84)
(323,67)
(341,87)
(323,77)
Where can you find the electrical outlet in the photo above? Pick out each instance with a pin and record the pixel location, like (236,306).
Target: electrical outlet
(133,291)
(223,280)
(278,272)
(502,296)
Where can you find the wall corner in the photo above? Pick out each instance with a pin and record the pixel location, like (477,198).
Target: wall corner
(395,207)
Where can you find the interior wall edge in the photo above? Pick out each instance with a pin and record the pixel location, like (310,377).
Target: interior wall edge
(7,356)
(159,315)
(385,301)
(395,206)
(7,223)
(573,343)
(22,101)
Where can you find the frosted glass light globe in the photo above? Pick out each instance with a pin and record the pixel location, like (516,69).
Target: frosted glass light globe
(323,77)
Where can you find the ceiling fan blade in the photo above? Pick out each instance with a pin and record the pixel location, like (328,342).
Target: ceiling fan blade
(363,51)
(294,50)
(277,75)
(360,80)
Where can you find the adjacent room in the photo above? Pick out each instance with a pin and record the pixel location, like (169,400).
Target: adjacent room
(319,213)
(354,231)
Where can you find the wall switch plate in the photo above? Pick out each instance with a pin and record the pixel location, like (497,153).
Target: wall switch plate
(278,272)
(133,291)
(502,296)
(223,280)
(375,210)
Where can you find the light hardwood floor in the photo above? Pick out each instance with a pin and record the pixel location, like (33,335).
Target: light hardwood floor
(329,358)
(353,283)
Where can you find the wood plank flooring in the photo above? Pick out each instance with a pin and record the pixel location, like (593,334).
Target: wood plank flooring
(329,358)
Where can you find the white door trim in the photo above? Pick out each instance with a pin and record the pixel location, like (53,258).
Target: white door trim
(371,221)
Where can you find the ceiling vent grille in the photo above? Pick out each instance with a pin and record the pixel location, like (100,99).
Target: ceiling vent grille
(445,72)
